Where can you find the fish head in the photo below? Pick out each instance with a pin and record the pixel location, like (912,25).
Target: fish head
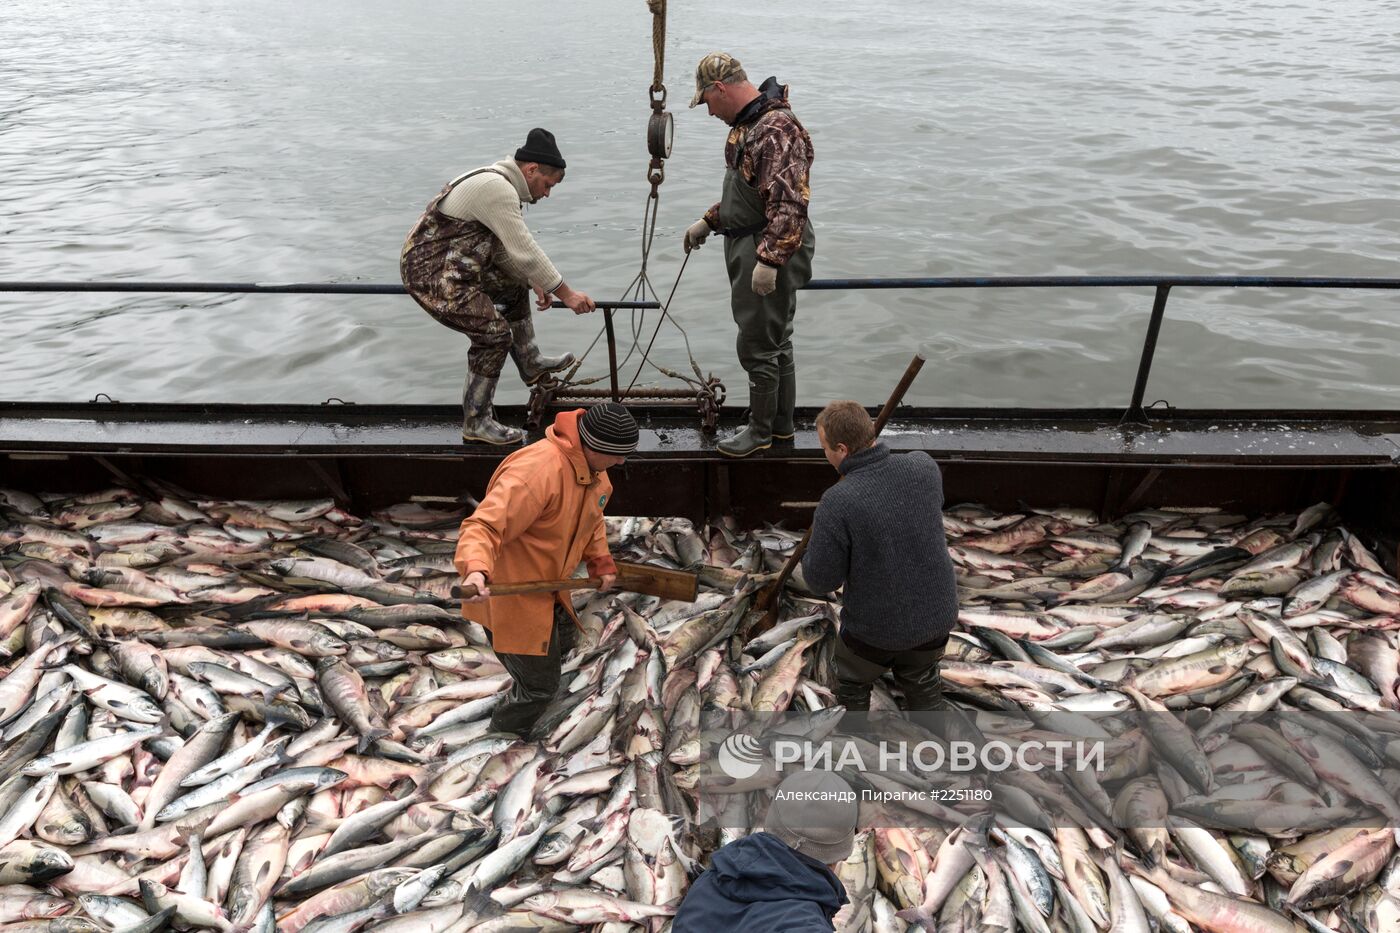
(328,643)
(385,880)
(73,832)
(46,905)
(73,925)
(443,894)
(328,777)
(94,576)
(48,863)
(1237,654)
(542,901)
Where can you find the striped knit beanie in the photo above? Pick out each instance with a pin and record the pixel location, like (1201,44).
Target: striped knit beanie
(609,428)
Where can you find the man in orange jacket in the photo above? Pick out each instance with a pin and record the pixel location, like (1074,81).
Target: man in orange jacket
(542,515)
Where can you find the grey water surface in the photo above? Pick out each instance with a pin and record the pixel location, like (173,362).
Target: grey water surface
(273,142)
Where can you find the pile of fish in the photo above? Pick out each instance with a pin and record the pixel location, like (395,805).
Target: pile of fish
(252,715)
(1233,823)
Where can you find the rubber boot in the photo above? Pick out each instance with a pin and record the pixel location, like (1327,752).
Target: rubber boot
(758,434)
(479,423)
(783,427)
(532,365)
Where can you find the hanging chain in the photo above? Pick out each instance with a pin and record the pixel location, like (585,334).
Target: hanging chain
(656,172)
(641,288)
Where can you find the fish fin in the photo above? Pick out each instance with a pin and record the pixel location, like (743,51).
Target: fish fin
(160,919)
(149,893)
(193,829)
(1136,866)
(427,775)
(369,738)
(485,907)
(981,855)
(322,824)
(916,915)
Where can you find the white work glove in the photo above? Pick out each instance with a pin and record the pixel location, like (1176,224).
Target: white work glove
(695,234)
(765,279)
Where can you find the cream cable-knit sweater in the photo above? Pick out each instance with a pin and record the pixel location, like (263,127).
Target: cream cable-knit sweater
(494,198)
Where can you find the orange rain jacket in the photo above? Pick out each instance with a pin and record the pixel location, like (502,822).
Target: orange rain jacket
(542,515)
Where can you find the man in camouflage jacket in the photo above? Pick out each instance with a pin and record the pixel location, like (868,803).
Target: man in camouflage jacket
(768,240)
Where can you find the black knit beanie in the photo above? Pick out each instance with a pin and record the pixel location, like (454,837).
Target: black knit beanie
(540,147)
(609,428)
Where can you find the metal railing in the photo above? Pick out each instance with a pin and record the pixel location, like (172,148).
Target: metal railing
(1163,284)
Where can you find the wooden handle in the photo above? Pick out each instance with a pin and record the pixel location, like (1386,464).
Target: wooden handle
(910,373)
(467,591)
(634,578)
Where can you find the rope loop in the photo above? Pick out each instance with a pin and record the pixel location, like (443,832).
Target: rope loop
(658,40)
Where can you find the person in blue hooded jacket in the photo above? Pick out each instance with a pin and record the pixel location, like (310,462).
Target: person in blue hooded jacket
(778,879)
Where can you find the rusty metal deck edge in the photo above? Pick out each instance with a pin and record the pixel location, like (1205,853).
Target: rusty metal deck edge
(1178,437)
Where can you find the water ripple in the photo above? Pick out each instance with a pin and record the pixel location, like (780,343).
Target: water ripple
(261,141)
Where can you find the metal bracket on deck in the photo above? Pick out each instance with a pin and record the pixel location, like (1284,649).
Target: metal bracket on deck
(123,478)
(1138,494)
(333,481)
(708,399)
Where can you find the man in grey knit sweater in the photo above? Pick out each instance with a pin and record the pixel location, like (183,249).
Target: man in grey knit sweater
(879,534)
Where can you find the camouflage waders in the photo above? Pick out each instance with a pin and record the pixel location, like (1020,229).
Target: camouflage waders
(452,268)
(765,321)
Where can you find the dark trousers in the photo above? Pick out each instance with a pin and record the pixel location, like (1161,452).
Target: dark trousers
(534,679)
(915,670)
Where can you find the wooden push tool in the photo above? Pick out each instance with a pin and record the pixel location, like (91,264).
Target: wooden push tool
(770,598)
(633,578)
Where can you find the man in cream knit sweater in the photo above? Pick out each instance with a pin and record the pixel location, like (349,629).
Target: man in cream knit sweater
(470,261)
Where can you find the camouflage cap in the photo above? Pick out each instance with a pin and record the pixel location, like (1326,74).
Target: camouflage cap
(717,66)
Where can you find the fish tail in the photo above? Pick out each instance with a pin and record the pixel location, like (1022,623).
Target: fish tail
(369,738)
(916,915)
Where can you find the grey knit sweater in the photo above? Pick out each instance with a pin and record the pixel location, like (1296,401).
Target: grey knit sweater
(879,532)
